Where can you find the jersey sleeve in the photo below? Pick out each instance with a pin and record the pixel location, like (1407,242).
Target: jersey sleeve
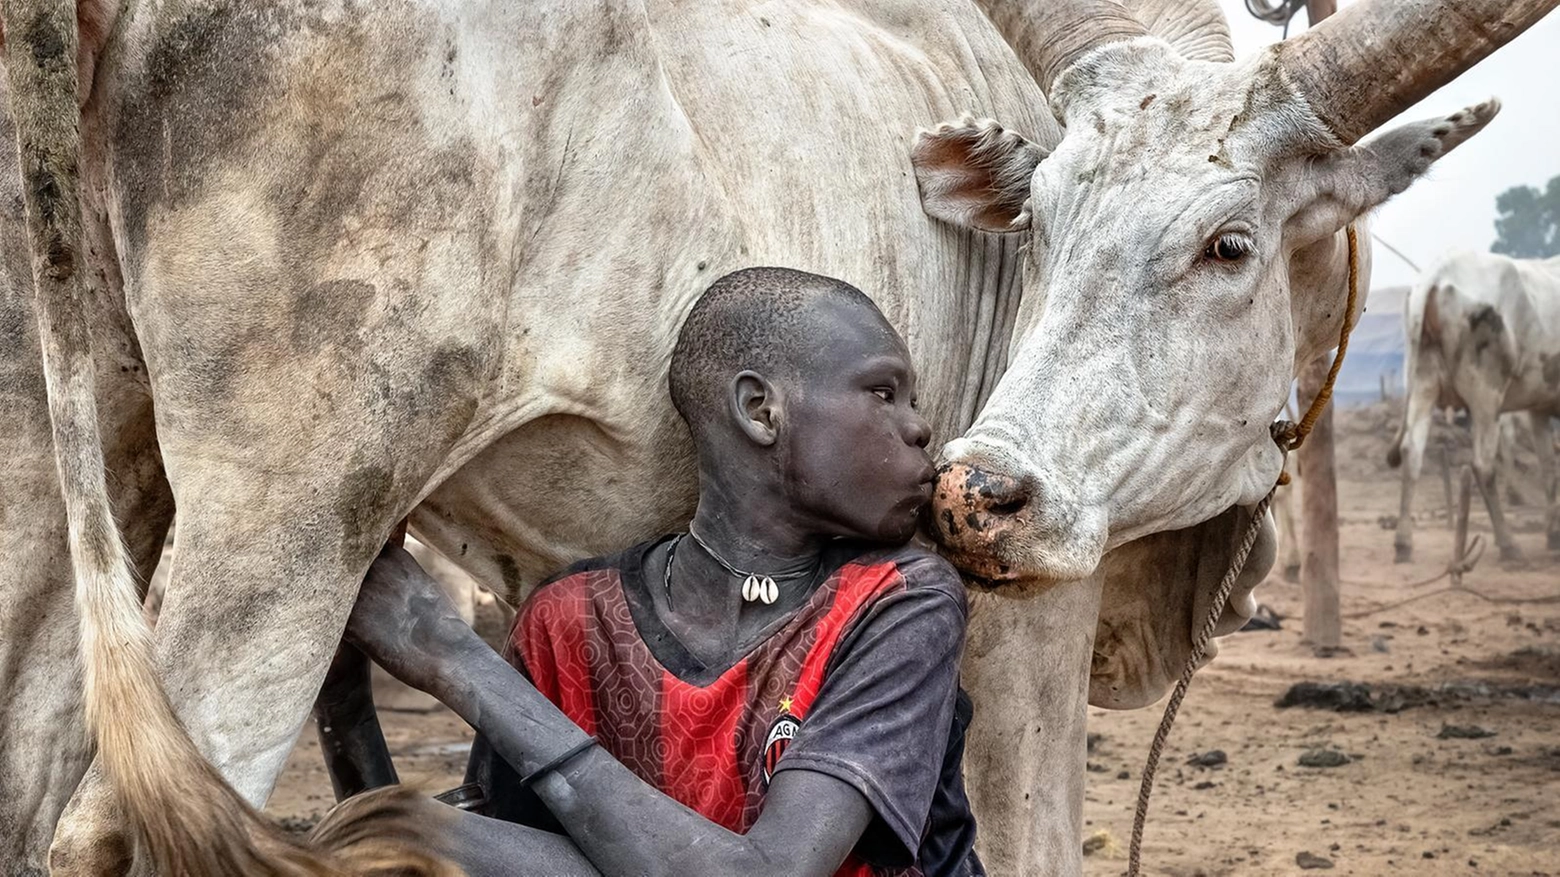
(882,717)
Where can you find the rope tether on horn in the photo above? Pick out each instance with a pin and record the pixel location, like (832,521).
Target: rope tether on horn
(1289,437)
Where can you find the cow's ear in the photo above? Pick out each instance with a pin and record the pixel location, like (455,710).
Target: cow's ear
(976,174)
(1338,187)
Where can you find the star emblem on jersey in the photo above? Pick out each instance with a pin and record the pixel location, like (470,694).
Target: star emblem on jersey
(781,732)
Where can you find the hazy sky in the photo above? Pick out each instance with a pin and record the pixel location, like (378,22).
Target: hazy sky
(1454,206)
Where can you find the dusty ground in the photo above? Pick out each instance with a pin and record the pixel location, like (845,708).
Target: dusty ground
(1406,801)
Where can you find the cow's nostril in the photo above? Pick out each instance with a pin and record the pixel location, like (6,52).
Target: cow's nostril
(1010,506)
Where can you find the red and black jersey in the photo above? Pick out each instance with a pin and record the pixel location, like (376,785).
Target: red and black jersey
(860,682)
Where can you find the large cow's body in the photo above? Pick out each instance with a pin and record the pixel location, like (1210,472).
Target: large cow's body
(368,255)
(1482,332)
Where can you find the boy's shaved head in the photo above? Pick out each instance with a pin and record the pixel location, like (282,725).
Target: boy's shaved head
(758,319)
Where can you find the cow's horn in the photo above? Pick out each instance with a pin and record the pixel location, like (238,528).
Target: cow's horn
(1049,35)
(1376,58)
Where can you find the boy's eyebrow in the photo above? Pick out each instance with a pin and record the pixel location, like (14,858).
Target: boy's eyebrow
(888,362)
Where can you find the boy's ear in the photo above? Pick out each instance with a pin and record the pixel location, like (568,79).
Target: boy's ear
(1341,185)
(755,405)
(975,174)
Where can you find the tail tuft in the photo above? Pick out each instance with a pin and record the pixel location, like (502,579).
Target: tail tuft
(1394,456)
(388,832)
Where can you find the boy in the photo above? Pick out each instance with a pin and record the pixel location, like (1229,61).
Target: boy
(773,692)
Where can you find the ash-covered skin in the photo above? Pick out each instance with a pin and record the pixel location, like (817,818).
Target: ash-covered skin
(820,442)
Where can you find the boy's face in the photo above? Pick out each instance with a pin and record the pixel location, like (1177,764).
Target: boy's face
(852,445)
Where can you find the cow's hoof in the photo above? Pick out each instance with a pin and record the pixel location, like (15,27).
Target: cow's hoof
(1402,553)
(1554,540)
(1511,555)
(1292,572)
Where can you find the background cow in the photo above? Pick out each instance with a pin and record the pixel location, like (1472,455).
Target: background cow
(1481,332)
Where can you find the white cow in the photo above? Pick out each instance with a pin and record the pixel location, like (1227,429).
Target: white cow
(1483,333)
(350,262)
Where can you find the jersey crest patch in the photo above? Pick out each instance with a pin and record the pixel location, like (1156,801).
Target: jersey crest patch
(781,732)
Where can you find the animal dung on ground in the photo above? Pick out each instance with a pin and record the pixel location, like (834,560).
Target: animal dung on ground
(1463,732)
(1324,758)
(1342,697)
(1309,862)
(1211,758)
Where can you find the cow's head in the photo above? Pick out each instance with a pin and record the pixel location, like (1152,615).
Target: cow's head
(1159,329)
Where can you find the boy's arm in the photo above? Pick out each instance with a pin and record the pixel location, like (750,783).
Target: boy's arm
(623,825)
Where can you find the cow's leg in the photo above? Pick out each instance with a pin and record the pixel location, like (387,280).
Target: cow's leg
(290,474)
(43,749)
(1485,421)
(1507,477)
(1416,432)
(265,572)
(1544,449)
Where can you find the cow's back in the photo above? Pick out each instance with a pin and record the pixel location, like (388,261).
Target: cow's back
(1496,316)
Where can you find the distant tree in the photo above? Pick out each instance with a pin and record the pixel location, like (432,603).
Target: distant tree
(1528,226)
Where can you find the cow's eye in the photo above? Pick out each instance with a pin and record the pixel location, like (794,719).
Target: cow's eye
(884,393)
(1226,248)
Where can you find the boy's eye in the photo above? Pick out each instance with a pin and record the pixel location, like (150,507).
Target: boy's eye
(884,393)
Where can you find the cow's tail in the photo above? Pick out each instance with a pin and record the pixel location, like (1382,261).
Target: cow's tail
(187,817)
(1422,372)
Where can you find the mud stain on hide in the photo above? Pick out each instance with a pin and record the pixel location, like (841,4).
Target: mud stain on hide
(330,313)
(173,128)
(1485,328)
(1551,367)
(361,503)
(510,573)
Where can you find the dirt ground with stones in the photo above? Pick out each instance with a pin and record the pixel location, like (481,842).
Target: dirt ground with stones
(1404,794)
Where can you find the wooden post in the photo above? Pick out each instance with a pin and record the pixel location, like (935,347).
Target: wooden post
(1460,541)
(1444,445)
(1319,512)
(1316,10)
(1319,501)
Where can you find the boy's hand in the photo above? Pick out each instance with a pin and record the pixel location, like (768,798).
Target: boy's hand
(404,620)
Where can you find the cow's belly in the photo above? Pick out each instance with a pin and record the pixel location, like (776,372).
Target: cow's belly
(556,490)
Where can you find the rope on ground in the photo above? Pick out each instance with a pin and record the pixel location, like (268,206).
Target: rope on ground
(1289,436)
(1462,565)
(1453,589)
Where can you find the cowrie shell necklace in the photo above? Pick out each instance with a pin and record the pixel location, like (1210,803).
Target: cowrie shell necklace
(756,587)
